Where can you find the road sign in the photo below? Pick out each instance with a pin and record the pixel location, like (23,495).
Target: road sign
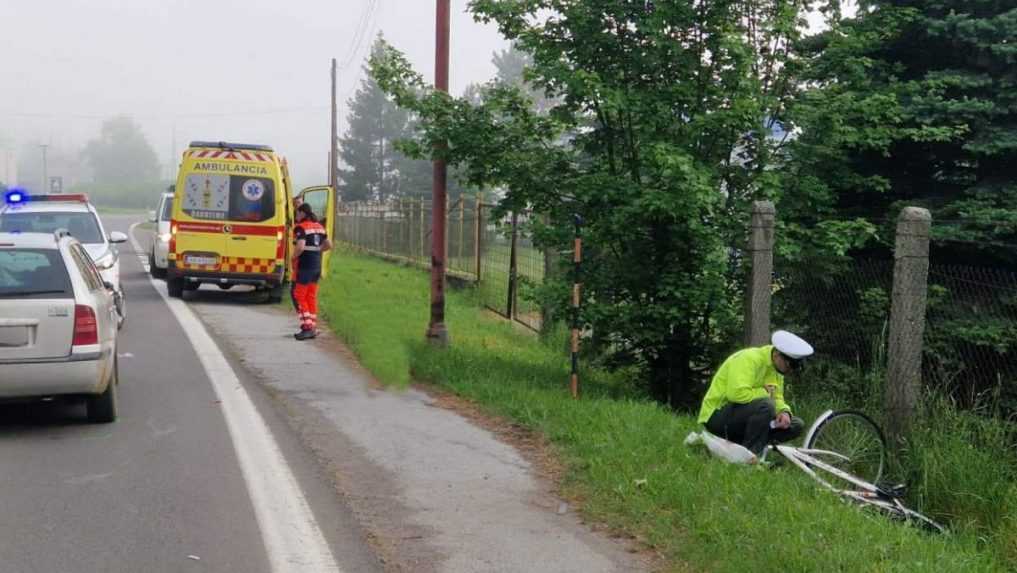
(56,184)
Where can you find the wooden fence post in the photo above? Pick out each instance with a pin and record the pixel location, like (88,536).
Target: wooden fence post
(513,269)
(422,234)
(479,233)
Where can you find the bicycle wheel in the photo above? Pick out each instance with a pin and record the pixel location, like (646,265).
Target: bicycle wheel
(855,436)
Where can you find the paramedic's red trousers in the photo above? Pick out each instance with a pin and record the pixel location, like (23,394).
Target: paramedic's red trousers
(306,296)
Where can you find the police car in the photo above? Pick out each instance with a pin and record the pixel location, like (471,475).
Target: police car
(21,212)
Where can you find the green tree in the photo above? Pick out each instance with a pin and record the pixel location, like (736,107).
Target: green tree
(372,163)
(121,155)
(512,64)
(913,103)
(658,138)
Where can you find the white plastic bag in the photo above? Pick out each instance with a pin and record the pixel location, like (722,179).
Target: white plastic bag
(728,451)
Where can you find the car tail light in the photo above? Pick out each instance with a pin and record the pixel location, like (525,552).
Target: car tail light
(86,329)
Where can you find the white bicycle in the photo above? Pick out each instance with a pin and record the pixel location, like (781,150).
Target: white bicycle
(845,451)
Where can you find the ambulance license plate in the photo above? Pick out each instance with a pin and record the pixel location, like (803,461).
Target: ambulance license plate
(198,260)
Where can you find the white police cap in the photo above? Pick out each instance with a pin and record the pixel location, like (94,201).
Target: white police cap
(790,345)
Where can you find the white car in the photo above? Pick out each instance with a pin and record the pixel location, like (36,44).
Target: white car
(58,324)
(158,256)
(24,213)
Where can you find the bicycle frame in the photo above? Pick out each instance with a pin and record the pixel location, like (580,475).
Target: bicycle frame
(806,459)
(803,458)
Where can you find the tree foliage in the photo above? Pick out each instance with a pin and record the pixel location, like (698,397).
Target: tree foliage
(914,103)
(660,135)
(371,170)
(121,155)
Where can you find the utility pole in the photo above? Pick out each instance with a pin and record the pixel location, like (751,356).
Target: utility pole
(333,154)
(437,334)
(45,171)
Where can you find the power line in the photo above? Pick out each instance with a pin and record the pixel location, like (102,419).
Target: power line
(367,20)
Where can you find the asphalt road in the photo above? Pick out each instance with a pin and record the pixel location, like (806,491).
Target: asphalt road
(159,490)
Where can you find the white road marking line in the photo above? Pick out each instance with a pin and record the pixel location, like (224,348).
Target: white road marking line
(293,540)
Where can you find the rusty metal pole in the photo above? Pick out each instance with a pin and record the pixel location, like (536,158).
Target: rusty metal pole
(437,333)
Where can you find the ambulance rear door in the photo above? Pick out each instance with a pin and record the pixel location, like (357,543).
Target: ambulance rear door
(200,209)
(322,202)
(255,232)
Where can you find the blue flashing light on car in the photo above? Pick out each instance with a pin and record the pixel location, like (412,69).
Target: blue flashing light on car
(15,196)
(19,196)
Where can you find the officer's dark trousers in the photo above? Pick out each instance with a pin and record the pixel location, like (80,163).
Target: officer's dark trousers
(749,425)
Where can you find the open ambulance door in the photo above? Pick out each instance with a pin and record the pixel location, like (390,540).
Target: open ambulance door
(322,201)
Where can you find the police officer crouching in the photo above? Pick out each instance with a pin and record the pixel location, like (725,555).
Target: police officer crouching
(311,241)
(745,403)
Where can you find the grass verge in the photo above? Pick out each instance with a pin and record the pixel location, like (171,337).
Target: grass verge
(624,455)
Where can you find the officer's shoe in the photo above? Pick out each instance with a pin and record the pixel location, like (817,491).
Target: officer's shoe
(305,334)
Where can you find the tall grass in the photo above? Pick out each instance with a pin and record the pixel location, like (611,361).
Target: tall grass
(960,465)
(624,455)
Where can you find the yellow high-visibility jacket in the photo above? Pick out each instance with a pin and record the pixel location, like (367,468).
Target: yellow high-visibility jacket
(742,378)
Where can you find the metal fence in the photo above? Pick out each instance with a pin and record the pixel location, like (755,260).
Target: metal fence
(969,346)
(496,253)
(841,308)
(971,334)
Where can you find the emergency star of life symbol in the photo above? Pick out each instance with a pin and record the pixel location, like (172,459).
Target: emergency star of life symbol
(253,190)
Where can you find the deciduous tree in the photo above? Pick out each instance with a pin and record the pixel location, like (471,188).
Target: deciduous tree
(659,137)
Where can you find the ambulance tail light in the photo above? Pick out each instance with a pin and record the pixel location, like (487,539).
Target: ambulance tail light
(173,237)
(280,244)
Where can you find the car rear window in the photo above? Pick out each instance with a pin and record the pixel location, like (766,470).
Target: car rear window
(81,225)
(33,273)
(229,198)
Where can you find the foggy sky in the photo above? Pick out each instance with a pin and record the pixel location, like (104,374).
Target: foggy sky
(254,71)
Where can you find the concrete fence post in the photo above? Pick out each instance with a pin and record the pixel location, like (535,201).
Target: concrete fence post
(907,321)
(758,287)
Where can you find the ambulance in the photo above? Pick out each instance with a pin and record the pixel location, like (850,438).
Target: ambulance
(232,220)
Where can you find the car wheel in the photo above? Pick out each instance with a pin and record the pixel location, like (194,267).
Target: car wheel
(155,271)
(102,409)
(175,287)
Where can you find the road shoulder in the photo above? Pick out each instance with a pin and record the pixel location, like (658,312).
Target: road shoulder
(436,490)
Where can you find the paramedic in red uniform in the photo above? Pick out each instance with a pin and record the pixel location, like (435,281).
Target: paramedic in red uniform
(311,243)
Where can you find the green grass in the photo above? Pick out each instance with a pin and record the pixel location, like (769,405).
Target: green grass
(624,455)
